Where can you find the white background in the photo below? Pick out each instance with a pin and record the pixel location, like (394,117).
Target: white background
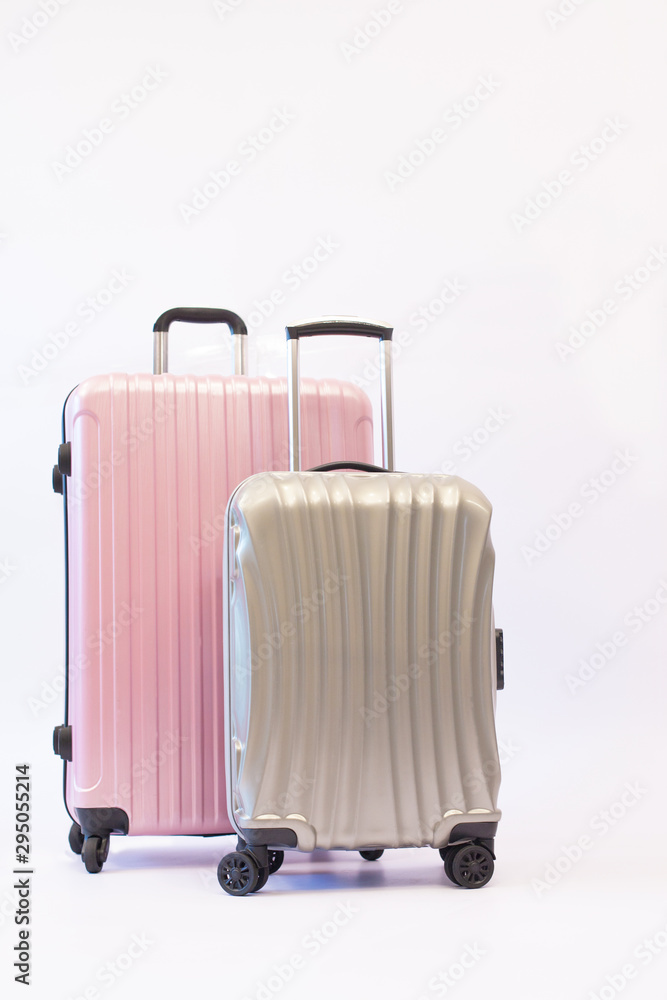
(359,104)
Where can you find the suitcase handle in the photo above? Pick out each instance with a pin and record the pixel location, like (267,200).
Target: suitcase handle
(350,466)
(332,326)
(193,314)
(339,325)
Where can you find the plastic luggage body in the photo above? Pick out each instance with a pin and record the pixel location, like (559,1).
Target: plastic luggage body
(147,467)
(361,662)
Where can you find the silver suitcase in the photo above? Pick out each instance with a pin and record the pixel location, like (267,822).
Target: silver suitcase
(361,659)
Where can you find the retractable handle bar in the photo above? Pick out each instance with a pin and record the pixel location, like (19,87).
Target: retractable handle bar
(335,326)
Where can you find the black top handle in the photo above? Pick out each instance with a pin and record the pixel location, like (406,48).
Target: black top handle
(347,467)
(339,325)
(195,314)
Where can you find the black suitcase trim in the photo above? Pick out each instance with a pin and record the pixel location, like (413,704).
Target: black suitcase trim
(270,838)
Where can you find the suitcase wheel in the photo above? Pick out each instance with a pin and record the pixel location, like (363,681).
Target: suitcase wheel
(447,855)
(371,855)
(468,865)
(239,874)
(94,854)
(276,859)
(76,838)
(263,878)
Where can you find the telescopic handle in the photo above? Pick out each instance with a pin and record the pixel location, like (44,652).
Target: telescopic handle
(334,326)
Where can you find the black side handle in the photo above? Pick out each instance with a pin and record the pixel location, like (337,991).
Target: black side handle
(500,660)
(339,325)
(193,314)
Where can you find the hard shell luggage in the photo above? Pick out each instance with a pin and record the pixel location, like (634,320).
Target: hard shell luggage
(146,467)
(361,660)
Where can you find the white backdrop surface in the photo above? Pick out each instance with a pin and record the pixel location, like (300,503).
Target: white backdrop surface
(491,179)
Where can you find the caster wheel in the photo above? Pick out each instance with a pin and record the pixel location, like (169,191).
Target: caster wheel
(471,866)
(263,878)
(276,859)
(447,855)
(238,873)
(94,854)
(371,855)
(76,838)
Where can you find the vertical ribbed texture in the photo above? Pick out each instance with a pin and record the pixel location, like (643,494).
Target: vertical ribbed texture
(364,605)
(145,564)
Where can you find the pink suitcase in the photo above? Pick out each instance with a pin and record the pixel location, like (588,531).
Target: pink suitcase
(146,468)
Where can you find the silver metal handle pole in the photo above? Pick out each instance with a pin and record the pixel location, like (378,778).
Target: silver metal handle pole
(240,347)
(387,405)
(294,403)
(160,352)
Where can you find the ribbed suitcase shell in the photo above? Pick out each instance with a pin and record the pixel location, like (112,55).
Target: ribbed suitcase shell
(154,459)
(360,658)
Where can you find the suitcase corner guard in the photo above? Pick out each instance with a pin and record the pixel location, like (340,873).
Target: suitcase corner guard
(100,822)
(270,838)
